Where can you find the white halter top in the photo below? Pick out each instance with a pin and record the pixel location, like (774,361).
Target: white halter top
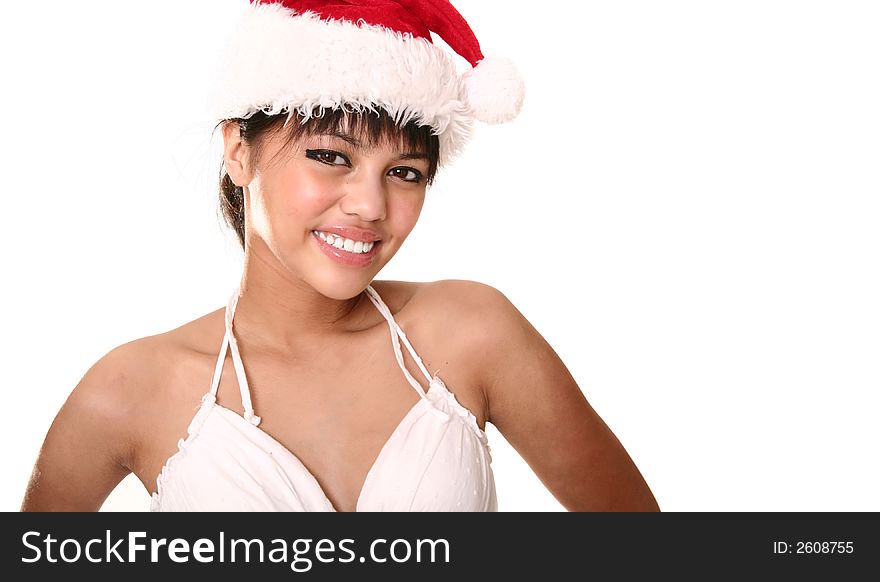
(437,459)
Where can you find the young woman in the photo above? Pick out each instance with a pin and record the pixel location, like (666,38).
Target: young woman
(331,390)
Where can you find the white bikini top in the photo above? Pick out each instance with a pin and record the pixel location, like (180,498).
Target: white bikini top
(437,459)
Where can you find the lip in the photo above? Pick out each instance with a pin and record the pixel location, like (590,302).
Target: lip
(344,257)
(352,232)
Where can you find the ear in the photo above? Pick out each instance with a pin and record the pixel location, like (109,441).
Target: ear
(235,154)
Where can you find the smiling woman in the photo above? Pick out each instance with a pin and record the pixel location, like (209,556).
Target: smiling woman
(336,117)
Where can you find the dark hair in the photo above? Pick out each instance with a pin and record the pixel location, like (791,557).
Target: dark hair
(370,127)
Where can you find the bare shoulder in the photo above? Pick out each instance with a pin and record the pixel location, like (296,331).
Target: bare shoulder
(111,389)
(466,310)
(474,312)
(466,322)
(116,391)
(458,301)
(111,419)
(462,293)
(90,444)
(135,373)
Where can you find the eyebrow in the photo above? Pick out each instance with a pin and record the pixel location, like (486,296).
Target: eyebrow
(354,142)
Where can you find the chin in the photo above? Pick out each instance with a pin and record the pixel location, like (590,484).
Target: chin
(342,286)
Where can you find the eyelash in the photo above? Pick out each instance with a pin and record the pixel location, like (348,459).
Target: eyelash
(317,156)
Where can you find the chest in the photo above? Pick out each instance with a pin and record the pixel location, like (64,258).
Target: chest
(333,409)
(435,461)
(334,413)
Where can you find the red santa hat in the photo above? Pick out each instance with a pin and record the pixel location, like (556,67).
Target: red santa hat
(304,56)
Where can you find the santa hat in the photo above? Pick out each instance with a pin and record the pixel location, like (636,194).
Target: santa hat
(304,56)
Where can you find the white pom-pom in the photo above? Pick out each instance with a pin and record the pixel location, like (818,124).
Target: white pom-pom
(495,90)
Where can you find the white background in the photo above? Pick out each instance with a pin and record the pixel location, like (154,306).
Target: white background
(686,209)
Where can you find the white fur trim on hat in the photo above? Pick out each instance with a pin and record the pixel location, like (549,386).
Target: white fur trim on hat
(280,61)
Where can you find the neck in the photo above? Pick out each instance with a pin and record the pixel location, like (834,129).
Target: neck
(283,312)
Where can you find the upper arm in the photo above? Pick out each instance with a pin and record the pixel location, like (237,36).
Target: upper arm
(536,404)
(88,447)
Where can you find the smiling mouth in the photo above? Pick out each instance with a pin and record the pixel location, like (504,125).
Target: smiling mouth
(348,258)
(347,245)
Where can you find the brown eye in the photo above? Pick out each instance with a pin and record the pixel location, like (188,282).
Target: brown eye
(331,158)
(407,174)
(328,157)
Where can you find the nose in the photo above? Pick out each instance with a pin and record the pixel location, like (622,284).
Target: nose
(366,197)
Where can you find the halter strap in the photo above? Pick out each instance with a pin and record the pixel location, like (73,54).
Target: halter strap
(395,331)
(229,342)
(395,344)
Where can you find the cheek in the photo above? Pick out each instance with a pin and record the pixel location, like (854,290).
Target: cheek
(301,197)
(404,212)
(287,207)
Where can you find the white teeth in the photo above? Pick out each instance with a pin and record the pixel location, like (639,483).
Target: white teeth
(345,244)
